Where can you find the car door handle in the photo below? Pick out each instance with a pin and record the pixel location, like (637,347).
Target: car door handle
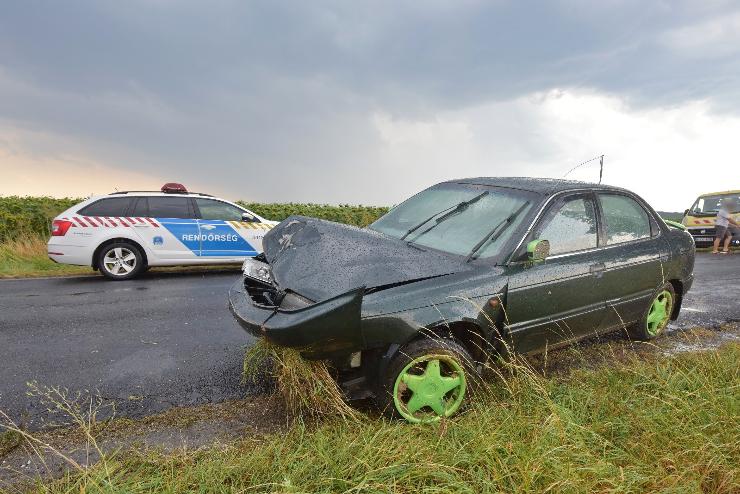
(139,225)
(597,269)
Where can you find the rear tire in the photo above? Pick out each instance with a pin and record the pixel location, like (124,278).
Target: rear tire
(427,380)
(120,261)
(657,315)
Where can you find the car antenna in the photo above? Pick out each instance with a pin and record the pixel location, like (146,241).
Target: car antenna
(601,166)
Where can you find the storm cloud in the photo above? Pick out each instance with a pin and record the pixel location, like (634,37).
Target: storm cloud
(361,101)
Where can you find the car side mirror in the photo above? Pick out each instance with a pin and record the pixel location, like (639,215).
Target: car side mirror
(538,250)
(248,218)
(686,212)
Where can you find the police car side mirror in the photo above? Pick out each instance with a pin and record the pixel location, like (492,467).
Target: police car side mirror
(246,217)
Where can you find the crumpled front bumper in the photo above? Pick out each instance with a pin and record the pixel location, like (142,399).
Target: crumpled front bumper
(321,330)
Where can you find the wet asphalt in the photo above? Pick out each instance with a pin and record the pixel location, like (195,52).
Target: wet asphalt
(714,299)
(168,339)
(163,340)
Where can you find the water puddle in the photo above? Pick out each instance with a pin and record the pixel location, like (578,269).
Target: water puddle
(699,339)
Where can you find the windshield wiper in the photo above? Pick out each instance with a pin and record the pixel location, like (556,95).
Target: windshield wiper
(451,211)
(495,233)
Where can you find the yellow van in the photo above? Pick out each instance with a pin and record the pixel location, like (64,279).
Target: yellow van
(699,219)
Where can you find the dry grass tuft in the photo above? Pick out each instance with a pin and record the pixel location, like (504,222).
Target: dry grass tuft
(307,387)
(9,440)
(26,255)
(23,247)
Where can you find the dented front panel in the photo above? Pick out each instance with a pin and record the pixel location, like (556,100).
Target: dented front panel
(320,259)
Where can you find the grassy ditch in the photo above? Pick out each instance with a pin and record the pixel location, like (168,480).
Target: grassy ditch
(660,424)
(25,256)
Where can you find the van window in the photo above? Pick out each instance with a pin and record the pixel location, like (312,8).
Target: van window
(709,205)
(112,206)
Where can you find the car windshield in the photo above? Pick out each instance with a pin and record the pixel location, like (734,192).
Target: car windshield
(459,219)
(711,204)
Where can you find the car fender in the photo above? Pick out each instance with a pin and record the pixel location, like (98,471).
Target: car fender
(484,313)
(112,234)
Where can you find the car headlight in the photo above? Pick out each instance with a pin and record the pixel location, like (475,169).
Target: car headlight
(257,270)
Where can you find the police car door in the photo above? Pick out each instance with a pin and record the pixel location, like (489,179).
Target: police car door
(223,233)
(167,226)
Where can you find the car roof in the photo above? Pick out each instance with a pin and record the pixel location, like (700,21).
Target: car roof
(155,193)
(545,186)
(723,193)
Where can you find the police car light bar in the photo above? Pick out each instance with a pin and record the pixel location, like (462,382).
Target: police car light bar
(174,188)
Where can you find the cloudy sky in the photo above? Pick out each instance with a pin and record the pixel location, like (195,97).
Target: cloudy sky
(367,102)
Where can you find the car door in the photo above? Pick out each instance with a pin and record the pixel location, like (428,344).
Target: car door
(632,258)
(223,231)
(167,226)
(555,300)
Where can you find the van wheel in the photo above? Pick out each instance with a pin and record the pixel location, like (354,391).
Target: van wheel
(120,261)
(657,315)
(427,380)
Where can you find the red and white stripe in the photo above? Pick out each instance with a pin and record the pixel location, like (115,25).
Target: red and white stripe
(108,222)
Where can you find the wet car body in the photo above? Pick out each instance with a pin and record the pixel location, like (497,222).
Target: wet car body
(357,296)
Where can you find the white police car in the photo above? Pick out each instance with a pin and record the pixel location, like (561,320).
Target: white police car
(124,233)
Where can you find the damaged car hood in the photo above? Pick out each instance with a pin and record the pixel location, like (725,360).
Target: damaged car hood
(320,259)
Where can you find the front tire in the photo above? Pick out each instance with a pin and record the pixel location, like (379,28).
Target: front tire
(120,261)
(657,315)
(427,380)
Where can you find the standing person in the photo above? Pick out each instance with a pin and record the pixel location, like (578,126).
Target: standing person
(725,225)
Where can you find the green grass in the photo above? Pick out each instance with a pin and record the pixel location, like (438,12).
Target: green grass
(32,215)
(344,213)
(665,424)
(9,440)
(26,257)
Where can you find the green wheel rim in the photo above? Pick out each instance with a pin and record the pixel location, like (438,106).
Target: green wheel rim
(429,388)
(659,313)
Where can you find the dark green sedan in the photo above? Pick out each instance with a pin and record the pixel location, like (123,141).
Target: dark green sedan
(407,308)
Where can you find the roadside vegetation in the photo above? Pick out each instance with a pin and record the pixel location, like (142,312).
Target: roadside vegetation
(25,224)
(25,227)
(636,424)
(25,255)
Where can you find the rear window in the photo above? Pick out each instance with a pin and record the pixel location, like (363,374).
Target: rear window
(167,207)
(625,220)
(113,206)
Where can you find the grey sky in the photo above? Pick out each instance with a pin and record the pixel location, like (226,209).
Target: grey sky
(360,101)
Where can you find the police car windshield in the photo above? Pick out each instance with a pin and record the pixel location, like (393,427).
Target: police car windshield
(435,218)
(711,204)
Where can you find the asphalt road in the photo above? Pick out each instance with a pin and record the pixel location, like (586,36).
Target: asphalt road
(167,340)
(149,344)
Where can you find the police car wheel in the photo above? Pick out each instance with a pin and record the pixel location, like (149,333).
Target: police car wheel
(120,261)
